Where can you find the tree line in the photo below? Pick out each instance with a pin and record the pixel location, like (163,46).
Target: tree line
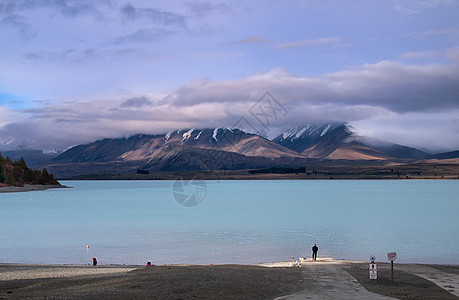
(16,173)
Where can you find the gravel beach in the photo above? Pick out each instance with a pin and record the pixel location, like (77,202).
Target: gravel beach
(29,188)
(154,282)
(214,281)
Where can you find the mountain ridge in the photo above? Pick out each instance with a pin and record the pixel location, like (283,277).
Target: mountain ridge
(231,149)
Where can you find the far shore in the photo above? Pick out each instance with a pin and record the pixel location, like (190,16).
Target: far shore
(428,170)
(29,187)
(325,278)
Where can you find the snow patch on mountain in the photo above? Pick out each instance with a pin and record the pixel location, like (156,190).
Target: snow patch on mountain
(325,130)
(299,133)
(167,136)
(199,135)
(214,135)
(187,135)
(308,130)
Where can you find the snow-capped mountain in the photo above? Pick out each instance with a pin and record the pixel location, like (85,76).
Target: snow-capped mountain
(315,140)
(223,148)
(189,149)
(141,147)
(339,141)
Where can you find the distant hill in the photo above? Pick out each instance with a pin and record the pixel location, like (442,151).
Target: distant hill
(17,173)
(393,150)
(34,158)
(446,155)
(232,149)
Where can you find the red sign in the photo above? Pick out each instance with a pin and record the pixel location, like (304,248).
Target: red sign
(373,272)
(392,256)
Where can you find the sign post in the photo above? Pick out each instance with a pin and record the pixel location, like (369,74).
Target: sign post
(373,272)
(392,256)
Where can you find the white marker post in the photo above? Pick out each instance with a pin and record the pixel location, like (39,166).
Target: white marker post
(373,272)
(392,256)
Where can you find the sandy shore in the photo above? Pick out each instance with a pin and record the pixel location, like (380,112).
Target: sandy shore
(29,187)
(314,280)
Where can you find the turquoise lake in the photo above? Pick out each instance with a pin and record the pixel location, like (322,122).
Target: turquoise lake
(242,222)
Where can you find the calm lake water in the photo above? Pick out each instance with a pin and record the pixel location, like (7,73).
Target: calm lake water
(131,222)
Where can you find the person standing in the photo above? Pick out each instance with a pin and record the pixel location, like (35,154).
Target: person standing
(314,252)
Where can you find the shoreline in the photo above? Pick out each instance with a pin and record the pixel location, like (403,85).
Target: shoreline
(228,281)
(267,178)
(395,171)
(29,188)
(280,264)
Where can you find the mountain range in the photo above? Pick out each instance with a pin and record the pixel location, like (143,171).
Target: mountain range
(224,148)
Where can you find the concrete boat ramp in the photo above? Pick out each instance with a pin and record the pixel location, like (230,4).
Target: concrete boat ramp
(325,279)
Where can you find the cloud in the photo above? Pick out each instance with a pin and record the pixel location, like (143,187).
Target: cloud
(48,55)
(218,55)
(336,41)
(78,56)
(65,125)
(152,15)
(411,7)
(451,33)
(137,102)
(120,51)
(154,23)
(450,54)
(73,8)
(14,12)
(386,96)
(7,115)
(405,10)
(204,8)
(144,36)
(251,40)
(389,85)
(414,129)
(9,17)
(69,8)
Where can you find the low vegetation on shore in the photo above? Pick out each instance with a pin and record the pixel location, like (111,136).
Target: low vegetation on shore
(17,173)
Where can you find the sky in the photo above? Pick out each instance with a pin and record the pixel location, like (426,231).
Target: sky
(74,71)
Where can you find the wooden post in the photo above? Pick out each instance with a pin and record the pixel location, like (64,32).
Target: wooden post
(392,256)
(392,270)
